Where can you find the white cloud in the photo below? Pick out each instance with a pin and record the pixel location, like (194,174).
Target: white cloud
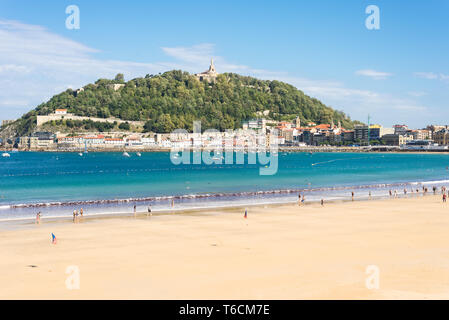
(410,107)
(416,93)
(196,54)
(35,62)
(426,75)
(432,76)
(13,68)
(373,74)
(196,58)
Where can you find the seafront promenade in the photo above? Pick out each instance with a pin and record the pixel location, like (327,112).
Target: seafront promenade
(280,149)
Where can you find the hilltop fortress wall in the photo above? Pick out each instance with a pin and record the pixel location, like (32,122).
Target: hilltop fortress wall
(68,116)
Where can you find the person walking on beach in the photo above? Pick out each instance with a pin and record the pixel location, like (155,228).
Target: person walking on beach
(53,238)
(303,200)
(81,212)
(75,215)
(246,213)
(299,199)
(444,197)
(322,202)
(391,194)
(38,218)
(172,203)
(405,192)
(369,195)
(352,194)
(434,189)
(135,210)
(395,193)
(149,211)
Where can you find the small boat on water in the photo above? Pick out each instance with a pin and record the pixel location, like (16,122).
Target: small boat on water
(126,154)
(6,155)
(80,154)
(138,154)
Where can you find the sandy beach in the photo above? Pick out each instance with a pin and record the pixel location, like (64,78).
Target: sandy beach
(279,252)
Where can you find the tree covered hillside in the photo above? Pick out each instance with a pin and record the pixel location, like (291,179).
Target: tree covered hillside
(176,98)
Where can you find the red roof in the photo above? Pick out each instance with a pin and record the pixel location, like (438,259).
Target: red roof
(323,126)
(100,136)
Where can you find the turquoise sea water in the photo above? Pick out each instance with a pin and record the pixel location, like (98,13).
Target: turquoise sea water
(30,178)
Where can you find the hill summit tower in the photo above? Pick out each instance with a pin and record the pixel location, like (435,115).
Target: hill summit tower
(210,75)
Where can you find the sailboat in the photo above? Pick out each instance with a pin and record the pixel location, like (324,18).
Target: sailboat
(138,154)
(126,154)
(6,155)
(85,150)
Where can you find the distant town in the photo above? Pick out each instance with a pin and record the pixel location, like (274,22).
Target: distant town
(290,135)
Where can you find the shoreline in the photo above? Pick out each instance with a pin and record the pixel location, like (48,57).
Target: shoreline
(200,211)
(278,252)
(16,223)
(232,204)
(212,201)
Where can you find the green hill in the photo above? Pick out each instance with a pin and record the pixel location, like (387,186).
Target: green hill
(175,99)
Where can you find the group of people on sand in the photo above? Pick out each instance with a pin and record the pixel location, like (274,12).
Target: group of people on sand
(424,191)
(77,214)
(392,193)
(149,210)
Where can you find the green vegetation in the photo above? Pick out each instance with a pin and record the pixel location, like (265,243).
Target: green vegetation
(175,99)
(80,125)
(124,126)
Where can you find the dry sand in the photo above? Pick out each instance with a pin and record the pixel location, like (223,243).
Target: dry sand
(283,252)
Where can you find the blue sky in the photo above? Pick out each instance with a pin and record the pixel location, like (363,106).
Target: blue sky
(398,74)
